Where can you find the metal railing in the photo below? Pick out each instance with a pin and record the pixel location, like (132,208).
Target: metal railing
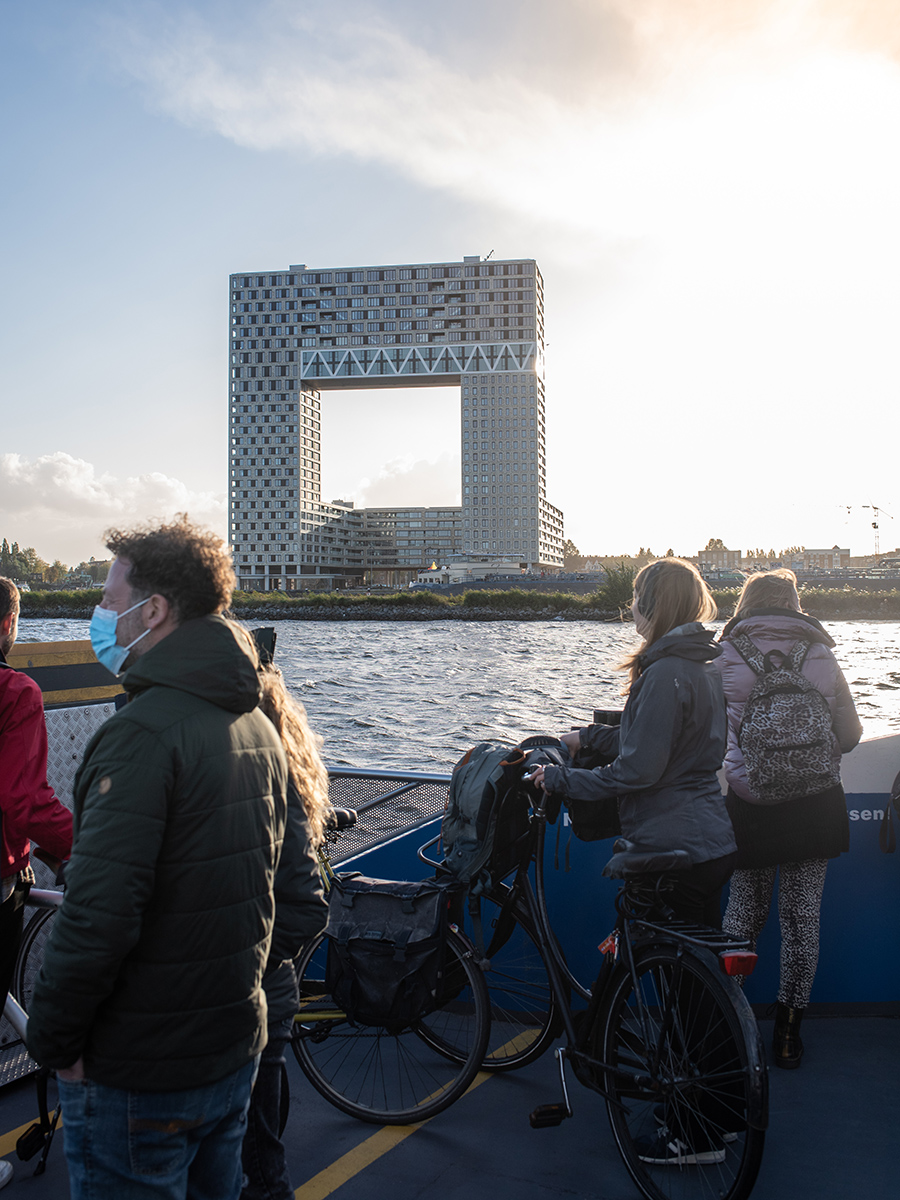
(388,802)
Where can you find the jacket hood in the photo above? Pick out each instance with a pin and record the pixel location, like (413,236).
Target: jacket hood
(202,657)
(692,641)
(764,622)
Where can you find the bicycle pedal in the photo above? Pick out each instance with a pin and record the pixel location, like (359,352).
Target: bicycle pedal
(545,1116)
(31,1141)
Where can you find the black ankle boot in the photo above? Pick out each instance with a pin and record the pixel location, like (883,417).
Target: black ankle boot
(786,1041)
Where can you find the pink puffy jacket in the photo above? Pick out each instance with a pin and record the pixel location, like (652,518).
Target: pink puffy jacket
(779,629)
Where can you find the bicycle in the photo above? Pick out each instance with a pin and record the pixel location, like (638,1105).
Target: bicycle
(38,1138)
(381,1074)
(667,1038)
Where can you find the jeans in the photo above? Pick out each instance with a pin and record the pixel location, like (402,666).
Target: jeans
(183,1145)
(265,1170)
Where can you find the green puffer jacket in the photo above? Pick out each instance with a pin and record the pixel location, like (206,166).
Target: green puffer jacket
(153,969)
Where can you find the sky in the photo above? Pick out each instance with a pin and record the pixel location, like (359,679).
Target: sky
(711,192)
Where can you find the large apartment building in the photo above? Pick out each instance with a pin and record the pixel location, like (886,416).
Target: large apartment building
(297,333)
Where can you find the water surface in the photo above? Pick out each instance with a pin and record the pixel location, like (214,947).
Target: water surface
(418,694)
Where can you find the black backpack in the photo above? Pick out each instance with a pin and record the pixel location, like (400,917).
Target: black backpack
(486,815)
(785,734)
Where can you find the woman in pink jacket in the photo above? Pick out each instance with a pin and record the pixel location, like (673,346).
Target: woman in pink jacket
(795,838)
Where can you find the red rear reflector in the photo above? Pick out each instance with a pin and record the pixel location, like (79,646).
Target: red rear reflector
(610,945)
(737,962)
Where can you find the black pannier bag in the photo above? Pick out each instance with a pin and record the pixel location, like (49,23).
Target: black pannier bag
(593,820)
(386,948)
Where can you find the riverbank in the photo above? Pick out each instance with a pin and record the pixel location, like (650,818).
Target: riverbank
(831,604)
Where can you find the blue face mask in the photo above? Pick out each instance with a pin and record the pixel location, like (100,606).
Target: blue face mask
(103,637)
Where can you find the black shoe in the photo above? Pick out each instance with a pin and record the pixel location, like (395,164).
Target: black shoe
(669,1151)
(786,1043)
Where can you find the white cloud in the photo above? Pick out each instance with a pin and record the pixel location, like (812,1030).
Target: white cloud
(61,505)
(698,103)
(406,482)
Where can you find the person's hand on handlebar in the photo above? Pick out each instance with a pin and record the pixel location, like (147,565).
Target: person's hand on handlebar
(535,776)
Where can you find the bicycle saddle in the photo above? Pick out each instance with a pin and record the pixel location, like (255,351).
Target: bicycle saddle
(629,859)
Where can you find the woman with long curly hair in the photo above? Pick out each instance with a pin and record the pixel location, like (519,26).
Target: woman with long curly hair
(300,912)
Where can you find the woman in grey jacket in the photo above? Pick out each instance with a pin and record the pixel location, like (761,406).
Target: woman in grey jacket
(665,757)
(669,747)
(795,838)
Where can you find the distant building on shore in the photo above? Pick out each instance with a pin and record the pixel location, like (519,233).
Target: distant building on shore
(296,333)
(718,558)
(825,560)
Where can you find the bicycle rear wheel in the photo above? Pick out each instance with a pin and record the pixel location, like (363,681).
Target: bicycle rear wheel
(31,955)
(384,1076)
(688,1092)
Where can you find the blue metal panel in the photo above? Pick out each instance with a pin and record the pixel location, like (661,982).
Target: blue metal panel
(858,962)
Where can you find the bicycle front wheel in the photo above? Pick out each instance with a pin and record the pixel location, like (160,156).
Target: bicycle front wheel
(385,1076)
(686,1077)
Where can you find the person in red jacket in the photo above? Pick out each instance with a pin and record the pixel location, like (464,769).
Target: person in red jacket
(29,808)
(28,805)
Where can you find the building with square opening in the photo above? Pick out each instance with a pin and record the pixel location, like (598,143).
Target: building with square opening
(297,333)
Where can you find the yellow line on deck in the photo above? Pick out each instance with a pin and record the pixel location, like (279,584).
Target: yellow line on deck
(8,1140)
(367,1152)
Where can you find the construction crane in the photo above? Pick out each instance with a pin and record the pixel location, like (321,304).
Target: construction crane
(877,513)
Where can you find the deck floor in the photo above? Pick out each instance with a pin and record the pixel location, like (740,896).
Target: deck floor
(832,1134)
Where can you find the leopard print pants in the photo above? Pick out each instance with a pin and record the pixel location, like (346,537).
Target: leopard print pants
(800,887)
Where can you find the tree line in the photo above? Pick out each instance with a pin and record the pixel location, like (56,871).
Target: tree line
(25,565)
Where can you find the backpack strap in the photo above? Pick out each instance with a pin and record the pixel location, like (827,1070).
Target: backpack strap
(760,664)
(774,660)
(477,928)
(749,652)
(400,940)
(799,651)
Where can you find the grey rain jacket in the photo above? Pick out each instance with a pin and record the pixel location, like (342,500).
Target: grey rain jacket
(669,749)
(780,629)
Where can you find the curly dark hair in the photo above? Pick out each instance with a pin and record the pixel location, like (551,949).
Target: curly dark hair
(188,565)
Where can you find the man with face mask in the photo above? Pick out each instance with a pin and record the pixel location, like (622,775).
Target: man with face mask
(149,1003)
(28,806)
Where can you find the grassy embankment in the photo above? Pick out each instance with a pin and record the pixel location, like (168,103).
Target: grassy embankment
(606,602)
